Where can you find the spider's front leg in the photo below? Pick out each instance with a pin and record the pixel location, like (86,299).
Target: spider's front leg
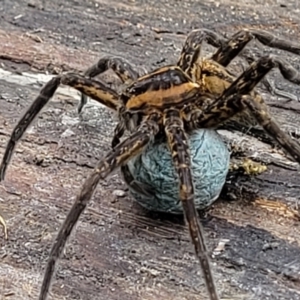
(120,66)
(178,143)
(94,89)
(238,97)
(120,155)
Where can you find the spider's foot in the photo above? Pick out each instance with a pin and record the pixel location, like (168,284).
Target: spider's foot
(3,223)
(249,166)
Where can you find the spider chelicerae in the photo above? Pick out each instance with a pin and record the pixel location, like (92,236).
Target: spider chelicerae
(170,102)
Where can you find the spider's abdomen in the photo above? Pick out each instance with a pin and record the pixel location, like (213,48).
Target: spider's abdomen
(165,87)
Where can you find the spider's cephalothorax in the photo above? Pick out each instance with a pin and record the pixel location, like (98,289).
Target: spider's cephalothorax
(170,101)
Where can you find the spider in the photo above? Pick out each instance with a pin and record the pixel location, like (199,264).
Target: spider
(170,102)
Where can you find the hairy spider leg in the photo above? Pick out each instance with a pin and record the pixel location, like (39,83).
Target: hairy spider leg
(114,159)
(139,187)
(94,89)
(239,40)
(191,49)
(234,46)
(228,49)
(179,147)
(118,133)
(120,66)
(237,98)
(125,71)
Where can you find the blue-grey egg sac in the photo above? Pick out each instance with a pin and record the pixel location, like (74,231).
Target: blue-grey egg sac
(154,169)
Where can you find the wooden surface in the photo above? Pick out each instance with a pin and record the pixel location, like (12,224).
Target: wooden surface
(119,250)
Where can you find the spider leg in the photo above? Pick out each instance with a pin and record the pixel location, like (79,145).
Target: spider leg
(118,133)
(114,159)
(231,48)
(129,179)
(237,97)
(127,74)
(94,89)
(228,49)
(124,71)
(178,143)
(271,127)
(192,47)
(234,46)
(139,187)
(120,66)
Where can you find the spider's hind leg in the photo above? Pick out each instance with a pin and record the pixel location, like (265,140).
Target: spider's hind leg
(178,144)
(238,97)
(120,66)
(228,49)
(232,47)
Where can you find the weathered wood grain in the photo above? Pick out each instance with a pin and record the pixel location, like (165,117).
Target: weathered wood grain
(120,251)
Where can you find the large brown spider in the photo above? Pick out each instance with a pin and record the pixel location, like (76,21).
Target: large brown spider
(170,101)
